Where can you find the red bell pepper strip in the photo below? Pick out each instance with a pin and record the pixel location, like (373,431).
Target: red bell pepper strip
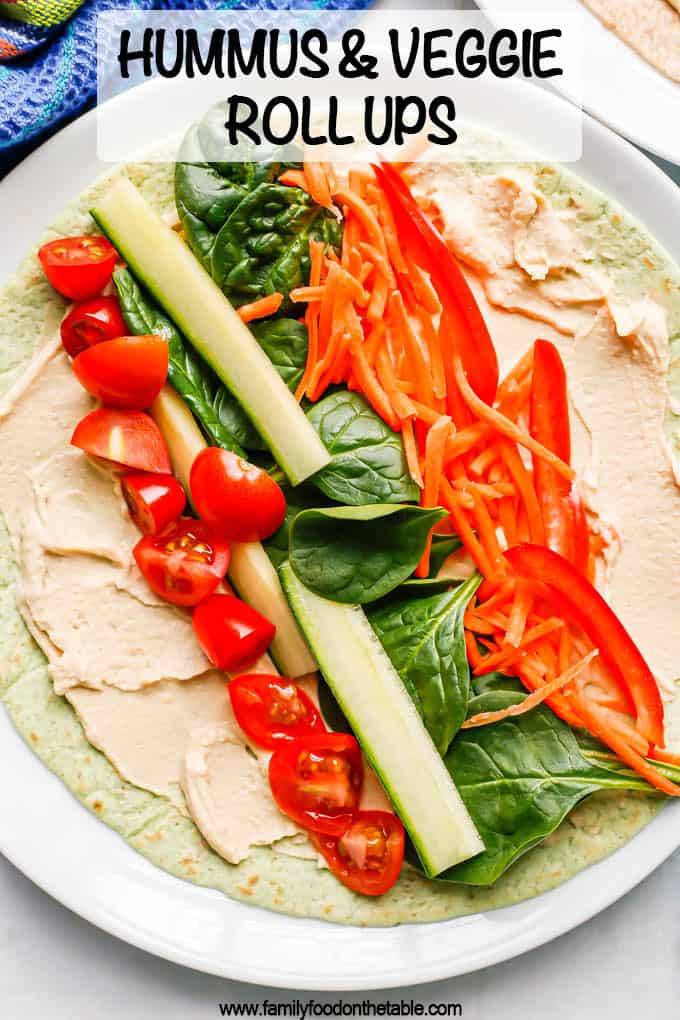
(429,249)
(579,602)
(564,519)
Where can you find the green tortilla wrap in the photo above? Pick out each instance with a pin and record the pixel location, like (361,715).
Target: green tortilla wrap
(152,825)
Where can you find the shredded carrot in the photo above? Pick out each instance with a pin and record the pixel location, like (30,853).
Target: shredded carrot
(525,488)
(483,461)
(521,605)
(448,496)
(426,414)
(474,655)
(365,215)
(435,444)
(505,426)
(317,183)
(532,700)
(316,265)
(379,260)
(431,338)
(659,754)
(304,294)
(502,594)
(414,353)
(423,289)
(493,492)
(261,308)
(378,302)
(391,236)
(374,340)
(411,451)
(373,391)
(401,404)
(510,655)
(295,179)
(465,440)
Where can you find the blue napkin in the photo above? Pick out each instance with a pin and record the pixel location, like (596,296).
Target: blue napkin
(48,72)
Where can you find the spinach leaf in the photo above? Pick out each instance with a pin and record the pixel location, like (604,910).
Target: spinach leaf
(491,682)
(251,233)
(284,341)
(221,416)
(425,640)
(418,587)
(519,779)
(263,246)
(302,497)
(359,554)
(369,465)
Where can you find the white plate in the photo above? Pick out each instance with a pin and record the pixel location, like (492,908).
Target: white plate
(619,87)
(57,843)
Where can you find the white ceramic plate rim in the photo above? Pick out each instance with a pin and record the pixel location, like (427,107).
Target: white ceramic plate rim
(89,869)
(620,88)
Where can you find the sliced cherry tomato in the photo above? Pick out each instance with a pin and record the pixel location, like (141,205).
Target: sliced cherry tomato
(429,249)
(128,373)
(368,856)
(91,322)
(237,498)
(317,781)
(126,438)
(185,563)
(231,633)
(78,267)
(154,501)
(580,603)
(272,710)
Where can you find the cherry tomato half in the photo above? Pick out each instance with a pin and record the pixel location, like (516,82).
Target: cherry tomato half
(231,633)
(126,438)
(272,710)
(239,499)
(368,856)
(154,501)
(78,267)
(185,563)
(128,373)
(317,781)
(91,322)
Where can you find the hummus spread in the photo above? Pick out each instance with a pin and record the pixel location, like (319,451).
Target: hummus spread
(130,665)
(528,260)
(652,27)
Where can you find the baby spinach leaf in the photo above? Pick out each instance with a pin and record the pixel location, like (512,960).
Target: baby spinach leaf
(251,233)
(263,246)
(368,465)
(519,779)
(425,640)
(418,587)
(284,341)
(359,554)
(302,497)
(491,682)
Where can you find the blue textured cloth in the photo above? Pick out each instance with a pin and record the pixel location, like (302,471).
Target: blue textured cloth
(55,76)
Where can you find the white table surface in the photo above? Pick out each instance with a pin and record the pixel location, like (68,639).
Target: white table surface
(624,964)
